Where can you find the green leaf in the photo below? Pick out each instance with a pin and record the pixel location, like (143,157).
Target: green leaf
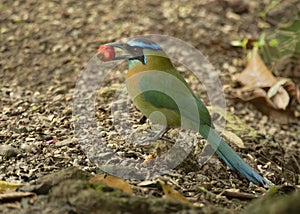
(236,43)
(273,43)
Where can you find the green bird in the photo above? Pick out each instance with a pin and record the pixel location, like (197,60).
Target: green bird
(162,95)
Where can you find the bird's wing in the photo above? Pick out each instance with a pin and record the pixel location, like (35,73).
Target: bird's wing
(165,90)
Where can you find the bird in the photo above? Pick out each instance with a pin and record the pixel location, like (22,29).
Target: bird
(156,86)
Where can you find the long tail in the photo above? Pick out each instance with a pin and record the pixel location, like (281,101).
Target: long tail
(229,156)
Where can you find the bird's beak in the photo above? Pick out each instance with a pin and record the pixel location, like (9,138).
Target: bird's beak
(110,52)
(124,55)
(117,45)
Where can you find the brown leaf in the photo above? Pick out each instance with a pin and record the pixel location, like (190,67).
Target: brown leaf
(14,196)
(281,99)
(258,97)
(253,94)
(272,96)
(233,138)
(233,193)
(256,74)
(232,123)
(293,90)
(173,194)
(112,181)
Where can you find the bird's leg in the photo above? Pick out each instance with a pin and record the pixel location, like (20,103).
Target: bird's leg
(157,136)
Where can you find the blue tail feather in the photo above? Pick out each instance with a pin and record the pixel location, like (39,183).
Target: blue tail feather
(229,156)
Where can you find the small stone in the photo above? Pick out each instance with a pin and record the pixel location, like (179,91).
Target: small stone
(26,147)
(29,139)
(8,151)
(272,130)
(111,146)
(64,142)
(22,129)
(50,117)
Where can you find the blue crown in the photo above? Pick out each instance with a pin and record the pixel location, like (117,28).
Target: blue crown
(144,43)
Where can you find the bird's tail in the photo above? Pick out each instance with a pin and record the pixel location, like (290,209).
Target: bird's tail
(229,156)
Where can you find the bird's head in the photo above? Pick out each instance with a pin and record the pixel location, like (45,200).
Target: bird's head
(136,51)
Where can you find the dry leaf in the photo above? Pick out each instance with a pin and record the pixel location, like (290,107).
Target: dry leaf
(4,186)
(279,95)
(258,97)
(253,95)
(256,74)
(232,123)
(272,96)
(14,196)
(148,159)
(281,99)
(173,194)
(147,183)
(233,138)
(112,181)
(233,193)
(293,90)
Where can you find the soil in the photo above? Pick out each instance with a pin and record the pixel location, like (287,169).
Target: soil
(46,45)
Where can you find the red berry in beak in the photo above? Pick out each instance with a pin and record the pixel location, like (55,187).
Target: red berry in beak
(107,52)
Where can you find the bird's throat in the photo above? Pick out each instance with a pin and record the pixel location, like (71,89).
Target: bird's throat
(154,63)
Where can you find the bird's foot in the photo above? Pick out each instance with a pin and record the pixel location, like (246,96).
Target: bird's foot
(146,139)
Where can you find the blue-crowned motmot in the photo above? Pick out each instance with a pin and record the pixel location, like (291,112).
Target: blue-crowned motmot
(155,85)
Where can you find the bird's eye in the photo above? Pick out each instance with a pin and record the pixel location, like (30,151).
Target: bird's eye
(136,49)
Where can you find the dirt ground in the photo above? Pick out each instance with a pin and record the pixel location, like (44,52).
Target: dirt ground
(45,45)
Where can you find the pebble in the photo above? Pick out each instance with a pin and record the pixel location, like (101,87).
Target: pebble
(64,142)
(111,146)
(29,139)
(26,147)
(230,68)
(272,130)
(8,151)
(22,129)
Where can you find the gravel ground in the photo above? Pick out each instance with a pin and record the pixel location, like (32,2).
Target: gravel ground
(45,45)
